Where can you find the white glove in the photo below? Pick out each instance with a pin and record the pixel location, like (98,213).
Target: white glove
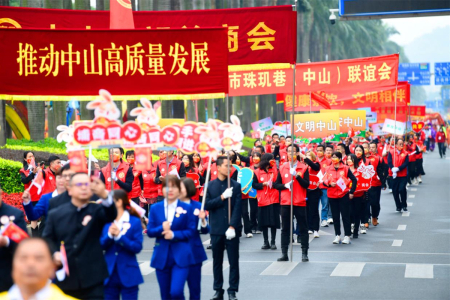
(114,177)
(394,175)
(293,171)
(228,193)
(394,170)
(230,233)
(288,185)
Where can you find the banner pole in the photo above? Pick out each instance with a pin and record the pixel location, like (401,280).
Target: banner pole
(111,150)
(228,160)
(167,187)
(395,117)
(208,171)
(90,160)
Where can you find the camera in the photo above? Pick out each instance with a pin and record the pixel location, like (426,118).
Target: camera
(332,17)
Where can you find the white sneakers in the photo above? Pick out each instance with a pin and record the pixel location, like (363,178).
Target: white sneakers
(337,240)
(310,232)
(249,235)
(330,221)
(316,234)
(353,227)
(324,223)
(420,180)
(362,229)
(346,240)
(390,191)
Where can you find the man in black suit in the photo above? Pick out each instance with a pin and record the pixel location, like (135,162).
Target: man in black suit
(79,225)
(224,233)
(8,213)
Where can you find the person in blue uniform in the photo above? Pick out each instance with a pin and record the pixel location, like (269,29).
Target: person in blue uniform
(225,228)
(172,223)
(122,240)
(188,190)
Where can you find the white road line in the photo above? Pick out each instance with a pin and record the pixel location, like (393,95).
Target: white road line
(145,268)
(207,269)
(412,196)
(348,269)
(397,243)
(405,214)
(279,268)
(419,271)
(321,232)
(410,203)
(207,242)
(401,227)
(414,189)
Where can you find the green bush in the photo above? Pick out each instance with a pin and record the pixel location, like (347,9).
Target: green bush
(10,176)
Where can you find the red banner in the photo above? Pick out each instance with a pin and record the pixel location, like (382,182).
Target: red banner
(352,74)
(158,64)
(418,110)
(259,35)
(381,97)
(260,82)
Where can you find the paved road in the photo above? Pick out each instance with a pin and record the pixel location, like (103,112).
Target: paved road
(407,256)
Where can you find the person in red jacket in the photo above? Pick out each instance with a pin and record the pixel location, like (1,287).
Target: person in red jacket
(398,164)
(293,177)
(54,164)
(377,181)
(264,179)
(358,203)
(190,168)
(162,170)
(122,174)
(137,187)
(326,215)
(150,188)
(338,177)
(440,139)
(253,202)
(419,161)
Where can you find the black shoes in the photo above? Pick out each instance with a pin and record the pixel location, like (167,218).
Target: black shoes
(298,240)
(284,257)
(273,246)
(305,255)
(218,295)
(399,210)
(232,296)
(265,246)
(209,246)
(405,209)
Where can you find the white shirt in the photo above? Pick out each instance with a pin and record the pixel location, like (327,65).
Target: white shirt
(170,211)
(43,294)
(125,218)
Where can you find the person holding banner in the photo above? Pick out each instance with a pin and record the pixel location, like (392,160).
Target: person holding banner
(223,202)
(122,174)
(175,167)
(137,186)
(187,192)
(398,164)
(268,199)
(314,192)
(324,164)
(122,241)
(300,174)
(8,214)
(172,223)
(338,177)
(358,203)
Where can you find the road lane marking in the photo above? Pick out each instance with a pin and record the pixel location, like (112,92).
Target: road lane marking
(423,271)
(207,242)
(145,268)
(405,214)
(414,189)
(412,196)
(401,227)
(397,243)
(280,268)
(348,269)
(410,203)
(207,269)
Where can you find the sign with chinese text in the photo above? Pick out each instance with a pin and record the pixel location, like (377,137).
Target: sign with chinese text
(442,73)
(415,73)
(316,125)
(257,35)
(445,94)
(282,128)
(417,126)
(418,110)
(348,99)
(350,119)
(57,64)
(263,125)
(377,129)
(353,74)
(260,82)
(393,127)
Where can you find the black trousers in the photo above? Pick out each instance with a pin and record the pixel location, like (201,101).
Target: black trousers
(341,207)
(399,191)
(442,149)
(247,225)
(300,216)
(313,213)
(95,292)
(374,201)
(273,234)
(385,175)
(411,171)
(219,244)
(358,208)
(253,213)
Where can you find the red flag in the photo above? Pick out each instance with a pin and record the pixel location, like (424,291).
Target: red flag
(64,260)
(38,182)
(143,160)
(351,132)
(78,162)
(321,100)
(121,14)
(14,232)
(31,162)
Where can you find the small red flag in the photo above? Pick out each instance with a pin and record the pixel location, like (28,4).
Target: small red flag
(38,182)
(121,14)
(78,162)
(64,260)
(14,232)
(321,100)
(143,160)
(351,132)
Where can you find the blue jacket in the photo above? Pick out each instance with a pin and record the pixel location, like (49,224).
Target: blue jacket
(183,227)
(41,208)
(196,242)
(122,253)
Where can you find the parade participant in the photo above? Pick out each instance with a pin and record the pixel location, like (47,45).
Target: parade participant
(226,227)
(398,163)
(314,192)
(381,146)
(190,168)
(78,224)
(64,197)
(342,148)
(122,241)
(32,270)
(268,199)
(122,174)
(389,147)
(281,149)
(329,149)
(358,203)
(175,167)
(172,223)
(337,179)
(253,202)
(412,150)
(8,214)
(54,164)
(419,161)
(150,188)
(188,190)
(374,192)
(354,143)
(440,139)
(324,164)
(198,163)
(137,187)
(298,188)
(360,154)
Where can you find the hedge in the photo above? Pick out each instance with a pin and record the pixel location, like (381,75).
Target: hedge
(10,176)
